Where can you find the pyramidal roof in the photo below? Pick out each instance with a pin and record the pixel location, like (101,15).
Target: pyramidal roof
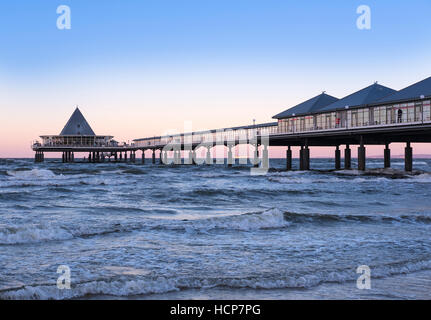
(311,105)
(77,126)
(364,96)
(415,91)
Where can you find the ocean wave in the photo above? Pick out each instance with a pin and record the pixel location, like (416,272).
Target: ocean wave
(32,233)
(129,286)
(34,174)
(269,219)
(25,234)
(11,235)
(319,218)
(134,171)
(58,181)
(422,178)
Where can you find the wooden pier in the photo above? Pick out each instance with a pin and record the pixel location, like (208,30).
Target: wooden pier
(375,115)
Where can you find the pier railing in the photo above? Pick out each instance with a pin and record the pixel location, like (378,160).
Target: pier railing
(402,114)
(37,144)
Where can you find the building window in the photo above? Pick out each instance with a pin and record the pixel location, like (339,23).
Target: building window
(426,110)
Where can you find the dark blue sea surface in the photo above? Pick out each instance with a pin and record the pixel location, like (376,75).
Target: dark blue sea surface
(132,230)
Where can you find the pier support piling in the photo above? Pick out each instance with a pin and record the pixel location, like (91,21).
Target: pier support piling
(208,160)
(301,158)
(361,156)
(408,158)
(256,156)
(177,157)
(154,156)
(347,158)
(289,158)
(143,156)
(387,156)
(306,158)
(190,158)
(337,158)
(230,156)
(265,157)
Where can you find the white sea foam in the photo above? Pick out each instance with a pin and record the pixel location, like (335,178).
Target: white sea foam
(32,233)
(424,177)
(34,174)
(143,285)
(273,218)
(269,219)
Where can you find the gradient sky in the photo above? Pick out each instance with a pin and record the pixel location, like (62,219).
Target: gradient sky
(139,68)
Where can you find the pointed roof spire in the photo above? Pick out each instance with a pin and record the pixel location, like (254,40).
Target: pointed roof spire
(77,126)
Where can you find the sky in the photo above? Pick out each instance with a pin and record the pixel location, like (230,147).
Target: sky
(141,68)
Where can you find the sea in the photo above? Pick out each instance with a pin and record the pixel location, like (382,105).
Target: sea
(134,231)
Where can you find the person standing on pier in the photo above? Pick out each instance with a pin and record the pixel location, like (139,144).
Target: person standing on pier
(400,115)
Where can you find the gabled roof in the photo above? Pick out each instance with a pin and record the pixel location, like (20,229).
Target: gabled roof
(312,105)
(415,91)
(77,126)
(365,96)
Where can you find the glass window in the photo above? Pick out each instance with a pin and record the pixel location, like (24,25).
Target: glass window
(418,111)
(426,110)
(410,108)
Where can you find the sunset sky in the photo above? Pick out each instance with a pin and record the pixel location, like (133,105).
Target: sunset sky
(140,68)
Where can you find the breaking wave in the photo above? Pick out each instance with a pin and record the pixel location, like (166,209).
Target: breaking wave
(33,174)
(270,219)
(124,286)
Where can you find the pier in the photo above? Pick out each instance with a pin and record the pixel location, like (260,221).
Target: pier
(77,136)
(375,115)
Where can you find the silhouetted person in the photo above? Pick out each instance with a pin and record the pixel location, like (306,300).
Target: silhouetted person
(400,115)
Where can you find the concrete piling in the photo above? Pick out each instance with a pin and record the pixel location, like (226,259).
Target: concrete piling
(408,158)
(289,158)
(208,159)
(387,156)
(347,158)
(230,160)
(337,158)
(306,158)
(361,156)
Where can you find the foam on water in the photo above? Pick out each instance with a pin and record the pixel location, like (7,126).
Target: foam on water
(31,234)
(33,174)
(142,285)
